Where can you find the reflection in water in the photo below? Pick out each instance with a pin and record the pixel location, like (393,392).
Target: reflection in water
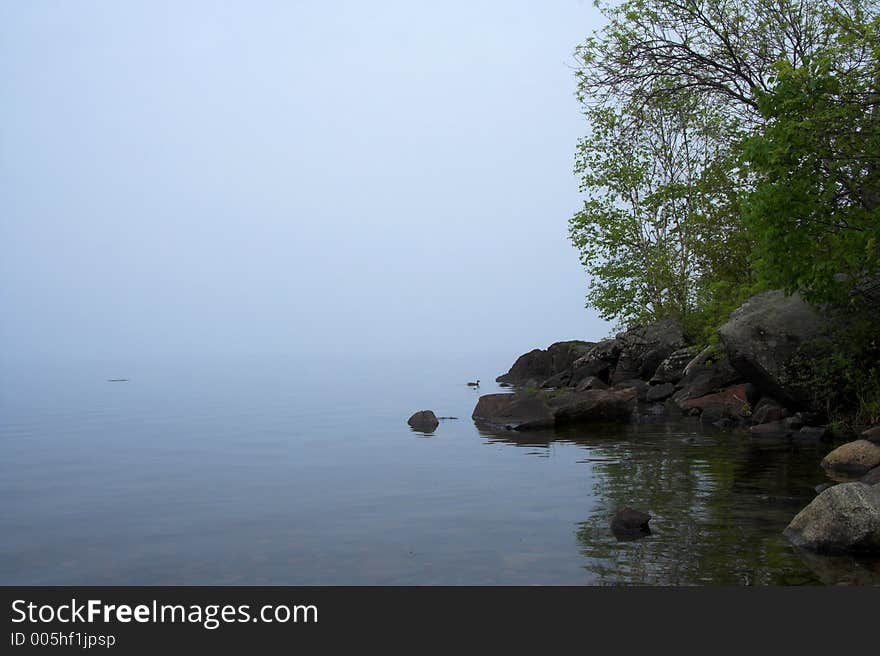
(718,500)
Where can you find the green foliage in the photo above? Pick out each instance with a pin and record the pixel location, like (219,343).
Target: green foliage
(843,374)
(658,229)
(733,147)
(815,210)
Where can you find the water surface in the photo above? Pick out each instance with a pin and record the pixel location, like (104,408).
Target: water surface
(303,471)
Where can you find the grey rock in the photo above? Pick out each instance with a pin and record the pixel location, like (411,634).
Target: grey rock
(764,338)
(844,518)
(643,348)
(671,370)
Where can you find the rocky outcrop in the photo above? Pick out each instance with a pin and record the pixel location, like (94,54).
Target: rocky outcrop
(527,410)
(424,420)
(766,337)
(644,348)
(843,518)
(538,365)
(856,458)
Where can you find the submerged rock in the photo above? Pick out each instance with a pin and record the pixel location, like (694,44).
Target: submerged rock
(843,518)
(857,457)
(424,420)
(629,523)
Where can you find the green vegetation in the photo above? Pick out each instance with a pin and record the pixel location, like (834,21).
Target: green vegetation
(733,146)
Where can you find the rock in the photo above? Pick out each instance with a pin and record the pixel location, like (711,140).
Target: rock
(771,429)
(520,411)
(535,410)
(857,457)
(732,403)
(844,518)
(643,348)
(823,486)
(794,423)
(640,386)
(598,362)
(765,337)
(769,409)
(812,434)
(872,434)
(629,523)
(559,380)
(424,420)
(538,365)
(671,370)
(660,392)
(596,405)
(872,477)
(704,378)
(589,383)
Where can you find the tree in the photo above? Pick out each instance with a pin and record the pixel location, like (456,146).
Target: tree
(815,210)
(658,229)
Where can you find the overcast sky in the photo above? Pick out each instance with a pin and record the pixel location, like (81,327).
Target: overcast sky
(286,176)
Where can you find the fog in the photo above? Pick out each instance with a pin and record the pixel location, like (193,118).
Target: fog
(284,177)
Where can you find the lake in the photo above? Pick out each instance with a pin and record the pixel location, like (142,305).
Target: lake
(300,471)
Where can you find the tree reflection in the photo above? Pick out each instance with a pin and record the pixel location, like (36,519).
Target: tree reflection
(719,502)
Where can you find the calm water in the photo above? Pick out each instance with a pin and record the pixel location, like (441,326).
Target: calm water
(292,471)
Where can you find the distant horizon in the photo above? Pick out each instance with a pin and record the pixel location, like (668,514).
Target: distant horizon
(264,176)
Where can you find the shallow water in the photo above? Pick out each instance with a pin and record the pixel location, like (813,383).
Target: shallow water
(303,471)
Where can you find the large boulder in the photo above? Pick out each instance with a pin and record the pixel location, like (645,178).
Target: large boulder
(538,365)
(766,337)
(520,411)
(527,410)
(644,348)
(857,457)
(843,518)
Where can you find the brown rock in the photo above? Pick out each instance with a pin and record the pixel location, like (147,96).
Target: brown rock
(856,457)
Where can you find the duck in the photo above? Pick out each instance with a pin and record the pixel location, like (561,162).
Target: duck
(476,384)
